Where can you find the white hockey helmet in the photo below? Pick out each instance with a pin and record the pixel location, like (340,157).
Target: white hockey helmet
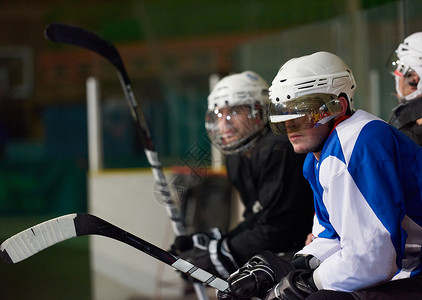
(309,86)
(234,95)
(406,59)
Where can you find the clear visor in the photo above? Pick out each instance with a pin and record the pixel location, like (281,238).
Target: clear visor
(396,67)
(302,113)
(232,129)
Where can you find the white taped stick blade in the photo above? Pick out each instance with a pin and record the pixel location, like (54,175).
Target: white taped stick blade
(39,237)
(201,275)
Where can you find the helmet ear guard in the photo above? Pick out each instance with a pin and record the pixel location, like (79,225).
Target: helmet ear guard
(349,110)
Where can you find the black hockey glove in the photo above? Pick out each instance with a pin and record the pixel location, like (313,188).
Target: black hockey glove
(208,251)
(258,275)
(226,296)
(297,285)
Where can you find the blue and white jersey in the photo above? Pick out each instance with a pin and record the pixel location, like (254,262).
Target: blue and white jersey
(368,205)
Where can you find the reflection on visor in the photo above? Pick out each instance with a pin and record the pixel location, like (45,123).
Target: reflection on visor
(395,67)
(409,72)
(303,112)
(393,64)
(283,118)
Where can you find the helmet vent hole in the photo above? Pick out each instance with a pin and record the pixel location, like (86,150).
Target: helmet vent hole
(306,84)
(304,87)
(322,82)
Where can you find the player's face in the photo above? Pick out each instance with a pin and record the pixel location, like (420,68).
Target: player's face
(409,83)
(305,139)
(235,123)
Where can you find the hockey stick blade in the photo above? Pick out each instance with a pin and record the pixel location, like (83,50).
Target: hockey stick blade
(39,237)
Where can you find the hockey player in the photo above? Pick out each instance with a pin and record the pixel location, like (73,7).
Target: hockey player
(267,174)
(406,66)
(366,178)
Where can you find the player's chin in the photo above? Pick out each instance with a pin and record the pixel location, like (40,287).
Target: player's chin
(301,148)
(303,144)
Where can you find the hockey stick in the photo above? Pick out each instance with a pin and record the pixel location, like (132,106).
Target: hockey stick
(39,237)
(72,35)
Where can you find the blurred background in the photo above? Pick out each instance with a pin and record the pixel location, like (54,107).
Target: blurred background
(170,50)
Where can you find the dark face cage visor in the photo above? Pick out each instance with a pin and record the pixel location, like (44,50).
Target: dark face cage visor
(304,112)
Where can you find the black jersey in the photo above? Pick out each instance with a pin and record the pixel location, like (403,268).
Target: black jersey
(278,199)
(404,117)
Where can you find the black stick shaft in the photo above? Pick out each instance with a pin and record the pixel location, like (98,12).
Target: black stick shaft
(39,237)
(87,224)
(67,34)
(72,35)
